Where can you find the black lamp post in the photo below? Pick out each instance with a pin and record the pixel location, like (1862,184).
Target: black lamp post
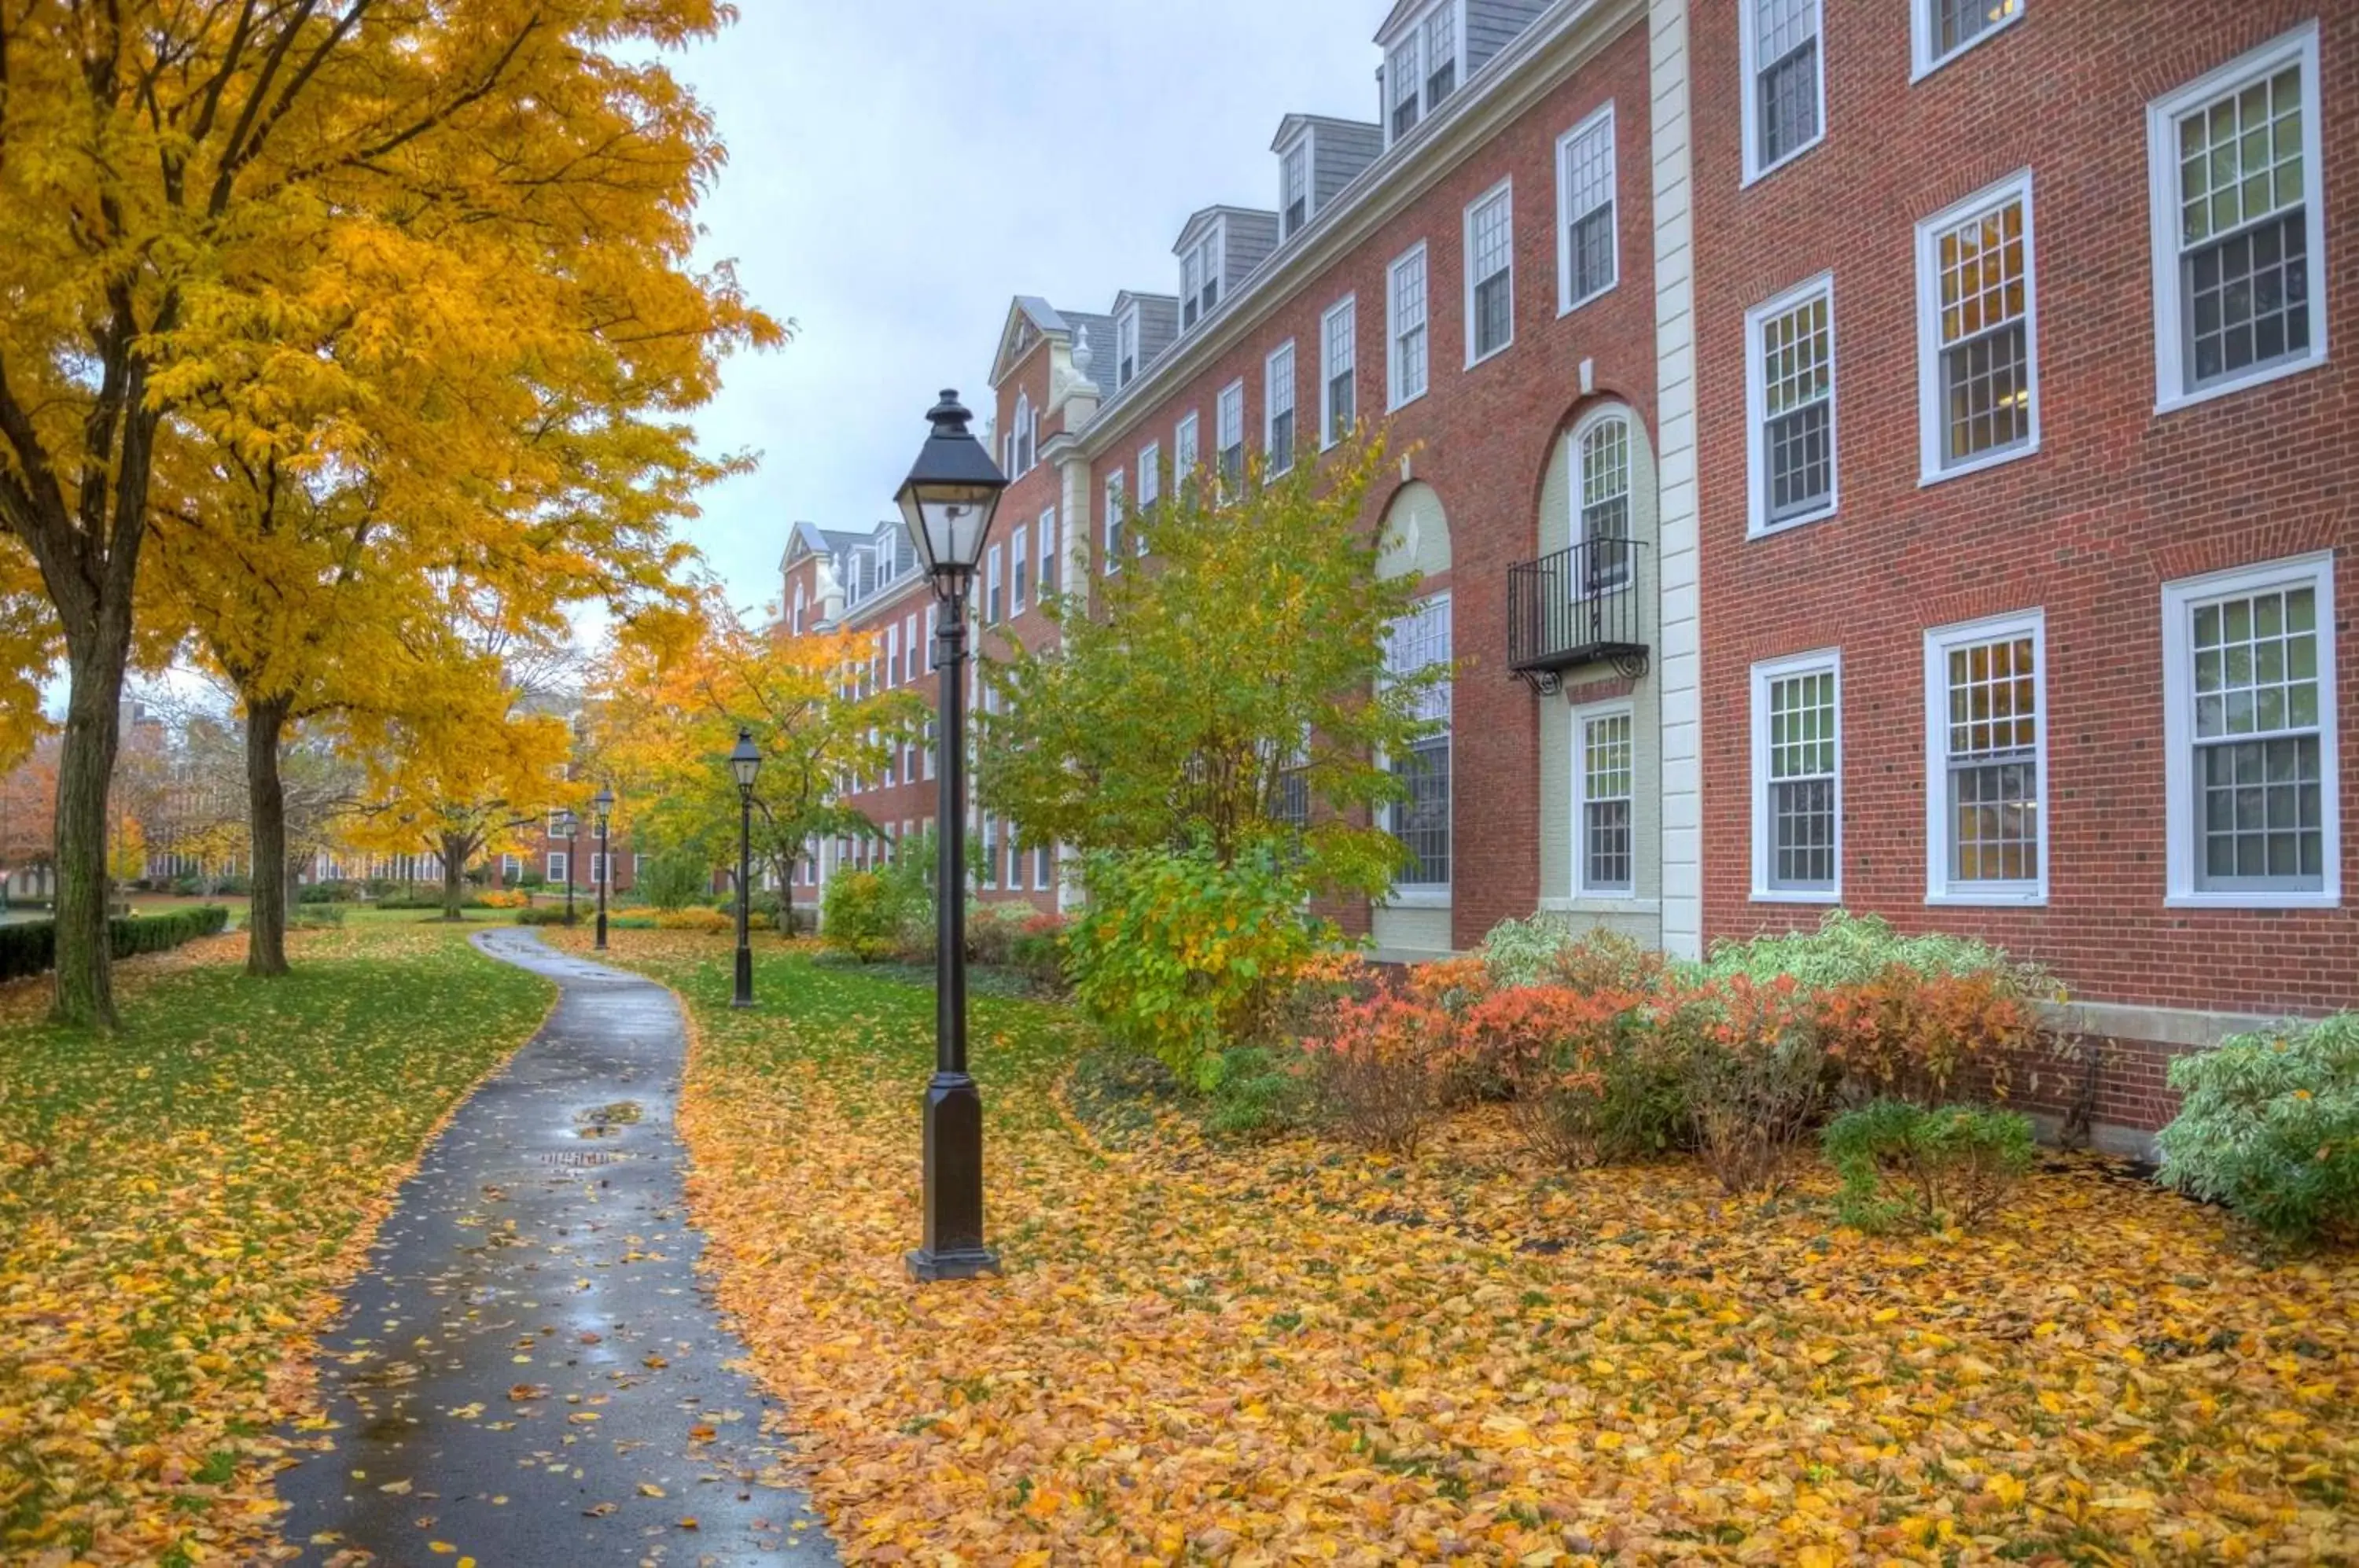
(605,808)
(745,764)
(948,502)
(572,826)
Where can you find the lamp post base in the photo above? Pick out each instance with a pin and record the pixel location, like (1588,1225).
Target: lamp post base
(937,1268)
(953,1246)
(745,997)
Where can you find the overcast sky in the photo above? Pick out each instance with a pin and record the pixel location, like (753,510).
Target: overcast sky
(900,170)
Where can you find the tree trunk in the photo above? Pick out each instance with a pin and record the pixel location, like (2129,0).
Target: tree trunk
(265,800)
(84,995)
(456,848)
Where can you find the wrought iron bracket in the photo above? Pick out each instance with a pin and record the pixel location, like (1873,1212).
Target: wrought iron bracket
(1631,665)
(1543,682)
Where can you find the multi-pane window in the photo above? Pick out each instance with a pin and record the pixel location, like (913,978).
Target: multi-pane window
(1604,490)
(1783,113)
(909,649)
(560,867)
(1294,187)
(1150,480)
(1184,455)
(1117,518)
(1125,350)
(932,623)
(1981,378)
(1407,82)
(1420,819)
(1985,785)
(1441,54)
(2237,181)
(1206,291)
(2250,725)
(892,654)
(1028,430)
(1292,805)
(1019,562)
(1945,27)
(1589,254)
(1793,405)
(1406,360)
(1278,403)
(1339,372)
(1045,579)
(1231,428)
(1490,273)
(1606,796)
(1798,791)
(995,600)
(989,851)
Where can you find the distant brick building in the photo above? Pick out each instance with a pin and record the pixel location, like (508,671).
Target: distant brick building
(1885,457)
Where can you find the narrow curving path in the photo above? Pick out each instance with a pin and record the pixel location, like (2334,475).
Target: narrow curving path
(530,1373)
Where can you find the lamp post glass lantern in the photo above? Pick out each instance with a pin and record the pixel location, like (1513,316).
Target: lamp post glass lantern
(744,767)
(605,808)
(948,502)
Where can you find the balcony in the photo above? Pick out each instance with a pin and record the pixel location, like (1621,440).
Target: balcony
(1580,606)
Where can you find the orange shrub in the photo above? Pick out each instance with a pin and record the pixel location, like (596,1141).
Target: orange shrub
(1907,1035)
(711,922)
(1378,1072)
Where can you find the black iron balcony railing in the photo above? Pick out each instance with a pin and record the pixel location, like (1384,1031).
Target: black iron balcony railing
(1578,606)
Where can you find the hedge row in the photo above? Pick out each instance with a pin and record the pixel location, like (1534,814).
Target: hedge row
(32,949)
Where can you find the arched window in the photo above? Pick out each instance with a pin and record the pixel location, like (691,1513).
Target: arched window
(798,609)
(1028,430)
(1601,490)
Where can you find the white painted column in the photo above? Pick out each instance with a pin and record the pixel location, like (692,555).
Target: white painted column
(1680,660)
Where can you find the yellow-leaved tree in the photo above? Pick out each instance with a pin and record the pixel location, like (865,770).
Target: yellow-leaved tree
(256,249)
(674,690)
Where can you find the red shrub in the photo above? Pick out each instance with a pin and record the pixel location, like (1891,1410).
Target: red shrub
(1907,1035)
(1379,1070)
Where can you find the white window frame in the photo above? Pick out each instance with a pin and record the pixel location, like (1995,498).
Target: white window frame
(910,667)
(1581,719)
(1117,494)
(1813,663)
(1397,395)
(892,654)
(597,867)
(1300,148)
(1126,348)
(1940,820)
(995,608)
(1433,895)
(1566,302)
(1019,569)
(1329,371)
(798,609)
(1276,385)
(2162,156)
(560,866)
(1503,191)
(1208,256)
(1231,397)
(1412,39)
(1748,18)
(1929,414)
(1924,49)
(1151,478)
(1756,410)
(2179,602)
(1187,445)
(1045,547)
(1027,448)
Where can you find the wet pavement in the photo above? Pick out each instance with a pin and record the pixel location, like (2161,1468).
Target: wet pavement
(530,1373)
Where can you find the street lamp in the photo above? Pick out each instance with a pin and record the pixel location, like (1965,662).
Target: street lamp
(948,502)
(572,825)
(605,804)
(744,763)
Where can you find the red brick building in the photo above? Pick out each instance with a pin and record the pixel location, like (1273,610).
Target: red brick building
(1876,457)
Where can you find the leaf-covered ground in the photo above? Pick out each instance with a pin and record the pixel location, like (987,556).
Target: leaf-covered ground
(178,1206)
(1293,1352)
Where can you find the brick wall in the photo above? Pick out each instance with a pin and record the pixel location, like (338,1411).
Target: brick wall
(2116,501)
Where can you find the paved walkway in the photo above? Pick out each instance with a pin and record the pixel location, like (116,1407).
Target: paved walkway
(531,1374)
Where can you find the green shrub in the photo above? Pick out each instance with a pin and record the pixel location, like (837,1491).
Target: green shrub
(31,948)
(316,917)
(1253,1092)
(1852,950)
(541,915)
(1901,1163)
(674,880)
(327,893)
(1181,957)
(860,917)
(1522,953)
(2270,1126)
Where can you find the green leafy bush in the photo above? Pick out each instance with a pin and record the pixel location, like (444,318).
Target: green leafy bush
(31,948)
(860,919)
(1852,950)
(1255,1091)
(542,915)
(1901,1163)
(317,916)
(1181,957)
(673,880)
(2270,1126)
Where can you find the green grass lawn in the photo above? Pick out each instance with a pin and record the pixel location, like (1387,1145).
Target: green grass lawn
(178,1206)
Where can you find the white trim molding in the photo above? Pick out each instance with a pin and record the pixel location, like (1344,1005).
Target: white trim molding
(2181,601)
(1503,193)
(1584,891)
(1600,120)
(2175,387)
(1758,521)
(1942,717)
(1748,49)
(1925,54)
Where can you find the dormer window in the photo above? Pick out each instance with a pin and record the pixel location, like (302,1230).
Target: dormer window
(1295,187)
(1422,69)
(1126,349)
(1200,279)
